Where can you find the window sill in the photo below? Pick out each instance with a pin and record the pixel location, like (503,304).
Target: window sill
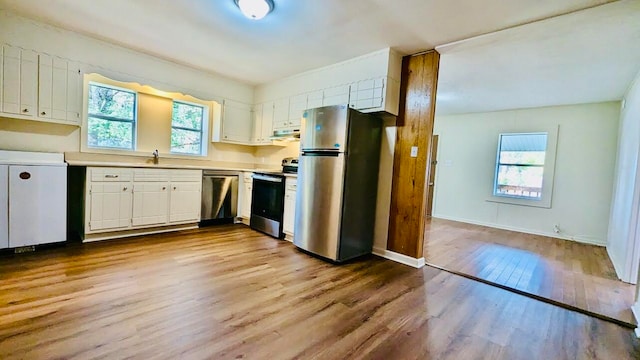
(141,154)
(543,203)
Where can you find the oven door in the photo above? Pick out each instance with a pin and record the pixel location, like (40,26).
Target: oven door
(267,204)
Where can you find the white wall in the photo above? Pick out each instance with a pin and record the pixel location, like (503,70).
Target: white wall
(583,179)
(622,244)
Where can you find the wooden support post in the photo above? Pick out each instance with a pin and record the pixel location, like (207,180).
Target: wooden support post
(411,171)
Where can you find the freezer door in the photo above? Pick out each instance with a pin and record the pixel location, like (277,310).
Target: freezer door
(325,128)
(319,204)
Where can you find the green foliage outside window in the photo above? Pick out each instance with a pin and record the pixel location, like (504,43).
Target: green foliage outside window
(186,128)
(111,118)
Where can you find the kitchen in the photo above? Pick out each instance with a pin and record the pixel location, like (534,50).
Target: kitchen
(244,127)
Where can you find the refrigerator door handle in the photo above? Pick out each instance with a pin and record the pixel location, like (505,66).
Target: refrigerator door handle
(333,153)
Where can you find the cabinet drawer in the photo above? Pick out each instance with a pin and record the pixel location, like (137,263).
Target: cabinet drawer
(109,174)
(148,175)
(186,175)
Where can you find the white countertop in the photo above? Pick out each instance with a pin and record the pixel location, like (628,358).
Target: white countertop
(160,166)
(31,158)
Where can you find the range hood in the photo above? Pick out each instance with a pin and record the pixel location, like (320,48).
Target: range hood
(287,135)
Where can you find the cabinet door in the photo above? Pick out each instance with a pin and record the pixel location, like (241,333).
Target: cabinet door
(109,205)
(289,206)
(38,205)
(59,92)
(256,127)
(45,85)
(266,127)
(185,202)
(4,206)
(338,95)
(280,114)
(74,92)
(289,212)
(297,105)
(315,99)
(236,122)
(246,196)
(150,203)
(28,82)
(367,94)
(11,79)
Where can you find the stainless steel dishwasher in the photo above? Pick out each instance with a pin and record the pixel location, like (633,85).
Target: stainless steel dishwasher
(219,197)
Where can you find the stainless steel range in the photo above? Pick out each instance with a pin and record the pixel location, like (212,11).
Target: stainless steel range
(267,203)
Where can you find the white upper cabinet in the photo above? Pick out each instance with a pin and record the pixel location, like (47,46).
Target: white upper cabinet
(237,124)
(337,95)
(39,86)
(58,89)
(263,123)
(281,114)
(315,99)
(297,105)
(370,83)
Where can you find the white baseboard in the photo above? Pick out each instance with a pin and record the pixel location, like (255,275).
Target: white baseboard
(397,257)
(636,312)
(579,239)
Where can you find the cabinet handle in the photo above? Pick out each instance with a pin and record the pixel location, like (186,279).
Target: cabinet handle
(124,188)
(43,113)
(25,110)
(164,188)
(174,188)
(111,176)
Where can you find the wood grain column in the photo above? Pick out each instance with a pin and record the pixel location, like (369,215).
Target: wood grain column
(414,128)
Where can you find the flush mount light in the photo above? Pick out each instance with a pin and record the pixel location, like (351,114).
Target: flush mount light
(255,9)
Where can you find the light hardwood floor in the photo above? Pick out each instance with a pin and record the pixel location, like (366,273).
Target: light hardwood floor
(229,293)
(576,274)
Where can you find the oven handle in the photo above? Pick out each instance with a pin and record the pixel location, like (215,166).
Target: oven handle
(267,178)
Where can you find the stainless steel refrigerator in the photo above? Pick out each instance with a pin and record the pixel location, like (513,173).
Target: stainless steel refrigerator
(337,182)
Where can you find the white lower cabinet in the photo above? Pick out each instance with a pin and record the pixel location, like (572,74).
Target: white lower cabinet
(245,199)
(128,199)
(109,205)
(289,206)
(4,208)
(184,203)
(150,203)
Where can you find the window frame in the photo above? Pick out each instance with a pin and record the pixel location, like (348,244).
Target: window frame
(203,128)
(548,170)
(498,164)
(134,121)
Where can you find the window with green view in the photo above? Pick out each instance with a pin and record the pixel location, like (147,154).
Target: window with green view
(111,117)
(187,122)
(520,165)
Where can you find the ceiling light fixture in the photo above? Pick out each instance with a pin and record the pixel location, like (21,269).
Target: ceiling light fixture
(255,9)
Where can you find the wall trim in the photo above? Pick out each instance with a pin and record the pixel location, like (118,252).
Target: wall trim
(636,311)
(579,239)
(401,258)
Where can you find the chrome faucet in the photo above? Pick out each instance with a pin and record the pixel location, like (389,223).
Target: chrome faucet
(156,157)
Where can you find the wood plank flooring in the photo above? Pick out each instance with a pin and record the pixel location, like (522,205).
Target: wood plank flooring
(229,293)
(576,274)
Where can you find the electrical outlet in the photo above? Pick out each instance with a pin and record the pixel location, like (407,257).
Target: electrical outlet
(556,229)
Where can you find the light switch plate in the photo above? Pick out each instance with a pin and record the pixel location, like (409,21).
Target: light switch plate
(414,151)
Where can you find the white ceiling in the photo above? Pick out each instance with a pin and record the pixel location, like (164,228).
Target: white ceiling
(585,56)
(588,56)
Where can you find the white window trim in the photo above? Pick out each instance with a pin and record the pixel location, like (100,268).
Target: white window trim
(204,131)
(549,171)
(134,140)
